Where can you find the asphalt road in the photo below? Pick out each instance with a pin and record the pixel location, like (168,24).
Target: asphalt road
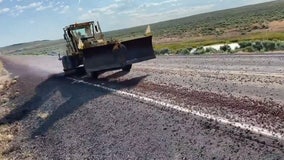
(173,107)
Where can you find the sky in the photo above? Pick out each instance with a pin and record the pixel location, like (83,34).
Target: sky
(31,20)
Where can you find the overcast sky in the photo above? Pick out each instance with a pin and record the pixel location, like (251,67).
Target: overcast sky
(30,20)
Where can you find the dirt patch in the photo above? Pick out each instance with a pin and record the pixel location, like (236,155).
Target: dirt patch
(7,131)
(276,26)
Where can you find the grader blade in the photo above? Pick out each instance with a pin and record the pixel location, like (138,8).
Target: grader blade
(138,50)
(111,56)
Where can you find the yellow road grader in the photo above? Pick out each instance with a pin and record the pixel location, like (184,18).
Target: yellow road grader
(86,47)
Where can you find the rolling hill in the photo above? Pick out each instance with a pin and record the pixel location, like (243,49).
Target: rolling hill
(243,23)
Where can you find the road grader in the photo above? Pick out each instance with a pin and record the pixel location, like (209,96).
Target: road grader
(87,48)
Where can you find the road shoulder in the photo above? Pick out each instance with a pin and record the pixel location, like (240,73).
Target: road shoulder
(7,131)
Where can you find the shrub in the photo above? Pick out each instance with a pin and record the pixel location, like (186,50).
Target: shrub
(184,51)
(248,49)
(211,50)
(225,48)
(162,51)
(257,45)
(280,46)
(245,44)
(165,51)
(189,48)
(199,50)
(269,45)
(156,52)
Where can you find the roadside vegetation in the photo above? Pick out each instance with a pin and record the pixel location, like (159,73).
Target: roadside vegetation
(202,41)
(258,46)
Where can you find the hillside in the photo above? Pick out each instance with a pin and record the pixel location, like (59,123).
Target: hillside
(46,47)
(249,22)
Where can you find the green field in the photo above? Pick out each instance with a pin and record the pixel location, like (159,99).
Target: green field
(209,41)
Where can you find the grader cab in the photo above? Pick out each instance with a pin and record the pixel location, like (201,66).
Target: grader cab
(86,47)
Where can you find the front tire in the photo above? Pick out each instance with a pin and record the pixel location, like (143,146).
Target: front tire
(127,68)
(94,75)
(68,73)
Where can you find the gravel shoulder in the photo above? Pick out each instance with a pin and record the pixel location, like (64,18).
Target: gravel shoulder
(7,132)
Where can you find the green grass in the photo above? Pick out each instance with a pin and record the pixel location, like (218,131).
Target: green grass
(209,41)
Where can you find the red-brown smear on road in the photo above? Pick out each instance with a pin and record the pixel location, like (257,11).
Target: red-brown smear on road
(269,111)
(193,97)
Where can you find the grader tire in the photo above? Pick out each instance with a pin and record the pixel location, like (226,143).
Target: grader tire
(127,68)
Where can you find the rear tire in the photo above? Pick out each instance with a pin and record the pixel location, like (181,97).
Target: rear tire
(127,68)
(68,73)
(76,71)
(81,71)
(94,75)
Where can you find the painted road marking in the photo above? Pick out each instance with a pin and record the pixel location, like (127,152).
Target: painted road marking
(254,129)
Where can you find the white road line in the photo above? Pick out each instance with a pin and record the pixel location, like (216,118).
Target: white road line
(254,129)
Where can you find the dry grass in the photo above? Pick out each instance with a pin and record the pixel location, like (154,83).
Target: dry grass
(43,115)
(2,70)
